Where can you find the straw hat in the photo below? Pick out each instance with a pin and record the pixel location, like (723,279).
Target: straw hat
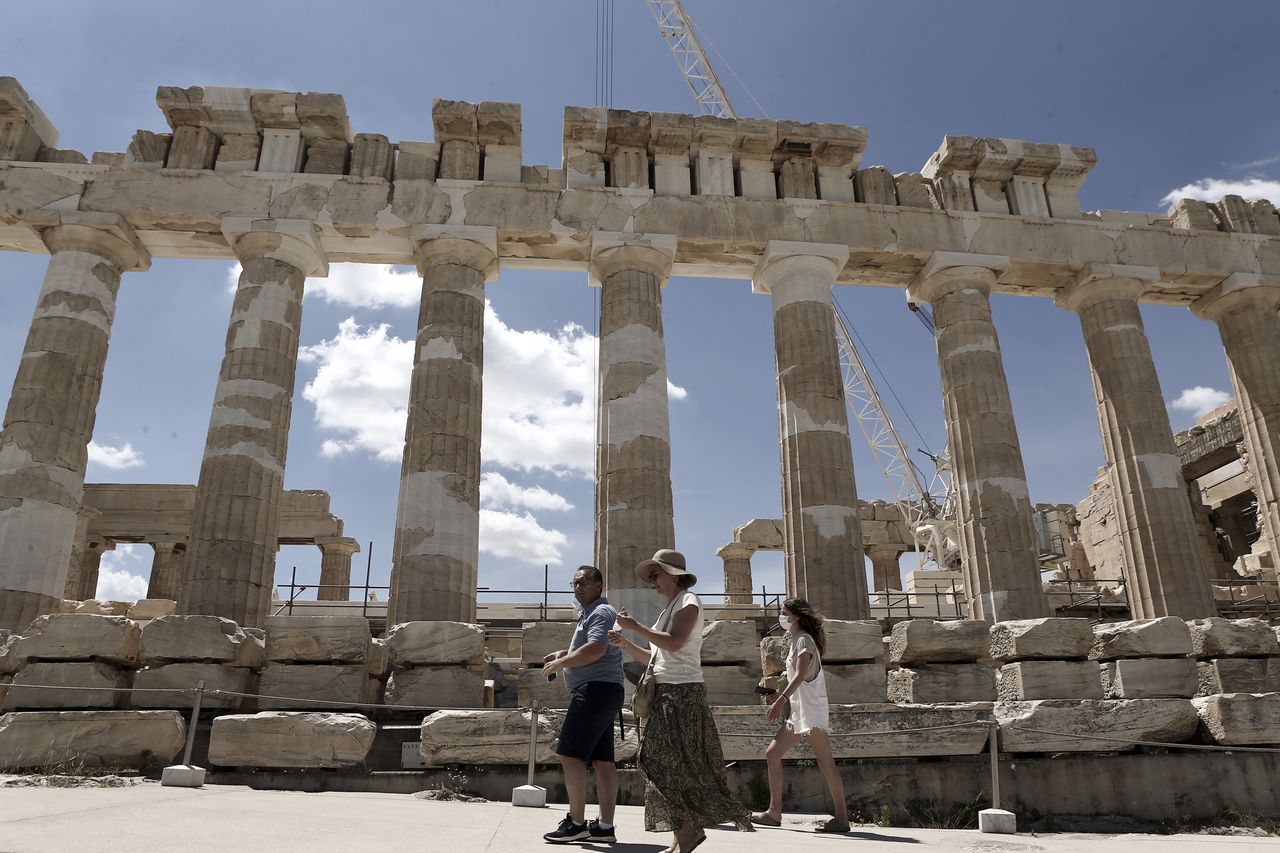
(671,562)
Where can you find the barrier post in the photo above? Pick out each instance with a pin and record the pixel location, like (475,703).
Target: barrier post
(996,819)
(186,774)
(529,794)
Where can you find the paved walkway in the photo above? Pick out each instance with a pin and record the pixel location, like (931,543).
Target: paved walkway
(146,818)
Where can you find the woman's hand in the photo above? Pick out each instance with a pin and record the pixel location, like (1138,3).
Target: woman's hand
(626,620)
(774,714)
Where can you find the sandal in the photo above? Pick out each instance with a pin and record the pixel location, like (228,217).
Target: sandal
(764,819)
(702,836)
(832,826)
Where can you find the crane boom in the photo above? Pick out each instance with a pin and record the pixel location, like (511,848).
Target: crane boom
(677,31)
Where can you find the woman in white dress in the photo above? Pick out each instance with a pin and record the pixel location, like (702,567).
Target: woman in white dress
(807,690)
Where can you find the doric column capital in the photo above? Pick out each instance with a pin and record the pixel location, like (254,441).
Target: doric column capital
(295,242)
(341,545)
(947,271)
(473,246)
(736,551)
(1239,292)
(168,546)
(612,252)
(107,235)
(1096,282)
(789,258)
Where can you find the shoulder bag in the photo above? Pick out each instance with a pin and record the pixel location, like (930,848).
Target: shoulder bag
(647,686)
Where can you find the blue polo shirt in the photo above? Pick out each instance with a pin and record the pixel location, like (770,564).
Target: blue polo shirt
(593,627)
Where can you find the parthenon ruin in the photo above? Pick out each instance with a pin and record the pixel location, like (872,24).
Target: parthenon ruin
(279,181)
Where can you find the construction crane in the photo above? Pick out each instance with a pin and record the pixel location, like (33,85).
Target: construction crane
(928,513)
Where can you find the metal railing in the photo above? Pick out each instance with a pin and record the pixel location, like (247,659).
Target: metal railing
(1248,597)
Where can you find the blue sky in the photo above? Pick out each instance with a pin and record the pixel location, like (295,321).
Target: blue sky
(1177,97)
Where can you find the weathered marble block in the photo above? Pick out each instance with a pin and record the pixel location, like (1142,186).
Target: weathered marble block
(312,685)
(502,737)
(1041,639)
(435,687)
(745,733)
(103,680)
(1149,678)
(99,607)
(1049,679)
(942,683)
(79,636)
(1216,637)
(731,685)
(146,609)
(253,649)
(117,739)
(421,643)
(1093,725)
(853,640)
(913,190)
(773,655)
(1167,636)
(532,685)
(928,641)
(9,662)
(379,666)
(1239,675)
(1241,719)
(318,639)
(290,739)
(854,683)
(539,639)
(191,638)
(730,641)
(185,676)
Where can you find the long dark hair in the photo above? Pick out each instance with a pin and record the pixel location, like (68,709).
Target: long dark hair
(810,621)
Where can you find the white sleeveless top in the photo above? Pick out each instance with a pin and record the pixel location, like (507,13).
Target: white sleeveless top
(809,708)
(684,666)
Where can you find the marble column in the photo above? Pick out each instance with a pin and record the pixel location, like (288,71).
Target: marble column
(1163,559)
(50,416)
(166,570)
(436,551)
(80,544)
(737,572)
(997,537)
(1244,308)
(634,510)
(82,582)
(231,551)
(825,563)
(335,568)
(886,573)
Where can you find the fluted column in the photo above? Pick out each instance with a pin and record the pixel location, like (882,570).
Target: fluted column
(997,539)
(82,582)
(50,417)
(1244,308)
(230,563)
(634,511)
(1163,559)
(166,570)
(737,572)
(335,568)
(886,573)
(79,547)
(437,542)
(825,562)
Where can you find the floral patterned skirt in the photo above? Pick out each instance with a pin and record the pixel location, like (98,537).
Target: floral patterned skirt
(683,764)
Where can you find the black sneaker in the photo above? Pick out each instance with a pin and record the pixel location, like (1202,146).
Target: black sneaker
(598,835)
(567,831)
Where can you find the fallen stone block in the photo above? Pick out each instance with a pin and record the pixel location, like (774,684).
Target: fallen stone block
(1149,678)
(773,655)
(310,686)
(9,662)
(73,740)
(79,636)
(191,638)
(864,731)
(532,685)
(730,641)
(81,685)
(501,736)
(151,608)
(184,677)
(378,663)
(1241,719)
(291,739)
(253,649)
(942,683)
(539,639)
(731,685)
(1093,725)
(852,640)
(1167,636)
(98,607)
(1041,639)
(1049,679)
(435,687)
(854,683)
(1239,675)
(318,639)
(918,641)
(422,643)
(1216,637)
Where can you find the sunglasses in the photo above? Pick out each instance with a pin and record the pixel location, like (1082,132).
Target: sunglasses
(653,576)
(578,583)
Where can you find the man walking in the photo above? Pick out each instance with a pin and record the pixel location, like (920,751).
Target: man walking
(593,673)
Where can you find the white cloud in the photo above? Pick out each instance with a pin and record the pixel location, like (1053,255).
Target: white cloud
(499,493)
(1200,400)
(115,458)
(675,392)
(520,537)
(233,277)
(1213,189)
(117,575)
(368,286)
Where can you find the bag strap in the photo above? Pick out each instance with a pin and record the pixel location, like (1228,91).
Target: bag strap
(653,654)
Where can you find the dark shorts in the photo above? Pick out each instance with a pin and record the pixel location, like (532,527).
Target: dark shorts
(587,733)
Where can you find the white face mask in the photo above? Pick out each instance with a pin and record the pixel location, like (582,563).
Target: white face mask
(785,621)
